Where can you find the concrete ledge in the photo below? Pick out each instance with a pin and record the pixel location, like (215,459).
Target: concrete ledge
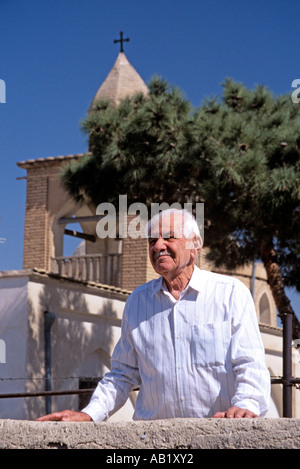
(161,434)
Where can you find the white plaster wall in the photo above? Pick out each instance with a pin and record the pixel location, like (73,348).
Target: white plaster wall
(14,333)
(273,352)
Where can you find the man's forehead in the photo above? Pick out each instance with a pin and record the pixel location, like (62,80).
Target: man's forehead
(167,224)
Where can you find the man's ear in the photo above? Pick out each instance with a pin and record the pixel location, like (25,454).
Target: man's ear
(195,244)
(198,243)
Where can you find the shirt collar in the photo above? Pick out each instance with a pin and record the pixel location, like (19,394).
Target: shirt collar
(157,285)
(195,282)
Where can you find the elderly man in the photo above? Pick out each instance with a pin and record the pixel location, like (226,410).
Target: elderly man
(189,341)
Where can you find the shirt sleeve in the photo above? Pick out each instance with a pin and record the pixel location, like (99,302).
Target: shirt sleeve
(253,381)
(113,390)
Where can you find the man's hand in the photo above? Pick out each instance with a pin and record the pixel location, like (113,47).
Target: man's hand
(236,413)
(66,416)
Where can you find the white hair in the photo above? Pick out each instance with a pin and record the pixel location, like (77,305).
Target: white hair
(190,227)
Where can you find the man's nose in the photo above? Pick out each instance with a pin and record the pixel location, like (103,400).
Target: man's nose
(160,244)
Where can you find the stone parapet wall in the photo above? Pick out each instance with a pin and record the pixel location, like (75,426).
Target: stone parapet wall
(173,434)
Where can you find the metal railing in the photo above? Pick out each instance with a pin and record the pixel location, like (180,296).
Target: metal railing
(287,380)
(96,268)
(45,393)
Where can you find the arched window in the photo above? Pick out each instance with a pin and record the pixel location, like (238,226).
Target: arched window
(264,309)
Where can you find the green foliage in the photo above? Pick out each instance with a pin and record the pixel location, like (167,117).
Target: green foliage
(252,183)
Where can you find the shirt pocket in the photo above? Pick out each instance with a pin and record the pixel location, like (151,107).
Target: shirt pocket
(209,344)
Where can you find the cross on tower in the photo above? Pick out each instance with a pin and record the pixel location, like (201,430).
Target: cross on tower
(121,41)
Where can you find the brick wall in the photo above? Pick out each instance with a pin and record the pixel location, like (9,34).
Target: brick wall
(136,267)
(37,231)
(36,221)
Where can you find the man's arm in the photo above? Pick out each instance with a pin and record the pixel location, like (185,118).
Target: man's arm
(252,393)
(113,390)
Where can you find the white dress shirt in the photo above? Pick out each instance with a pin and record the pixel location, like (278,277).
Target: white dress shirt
(189,358)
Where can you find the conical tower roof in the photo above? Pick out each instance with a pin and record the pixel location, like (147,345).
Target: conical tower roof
(122,81)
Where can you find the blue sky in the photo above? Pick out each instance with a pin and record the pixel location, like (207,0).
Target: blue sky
(55,54)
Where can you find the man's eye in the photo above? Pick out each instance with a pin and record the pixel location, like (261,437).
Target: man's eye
(167,235)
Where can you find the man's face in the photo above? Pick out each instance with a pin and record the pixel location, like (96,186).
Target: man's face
(168,250)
